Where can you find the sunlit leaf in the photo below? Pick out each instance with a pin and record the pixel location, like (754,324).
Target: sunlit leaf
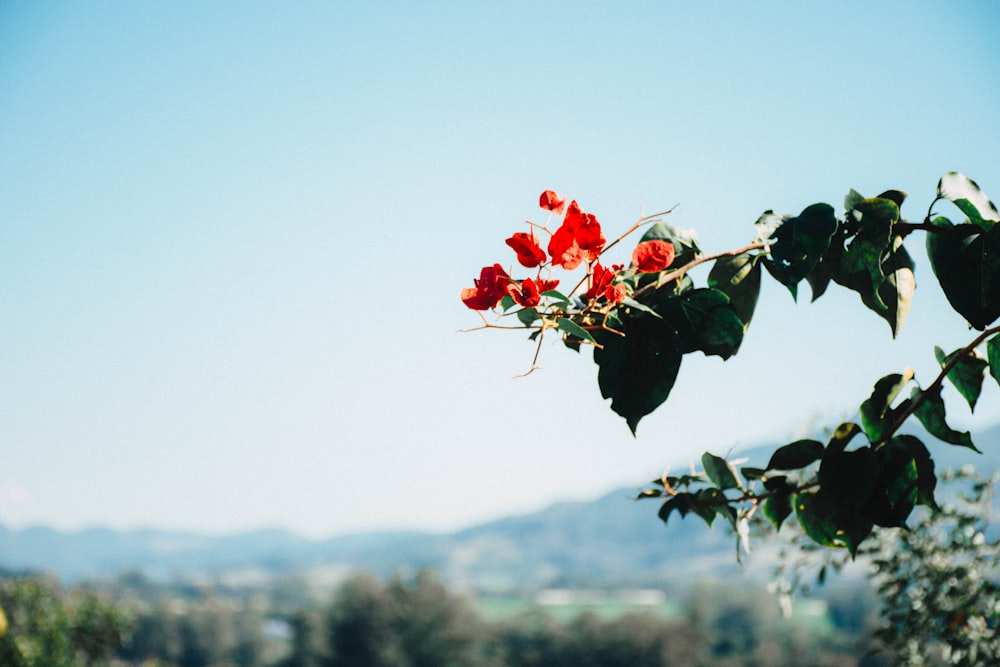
(570,327)
(842,436)
(966,194)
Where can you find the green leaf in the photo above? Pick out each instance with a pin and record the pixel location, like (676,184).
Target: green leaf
(876,415)
(720,471)
(931,414)
(507,302)
(777,508)
(895,196)
(638,370)
(966,261)
(750,473)
(842,436)
(796,455)
(710,323)
(738,277)
(570,327)
(555,295)
(680,503)
(993,354)
(882,275)
(800,242)
(966,194)
(905,478)
(822,521)
(926,479)
(685,241)
(527,316)
(966,375)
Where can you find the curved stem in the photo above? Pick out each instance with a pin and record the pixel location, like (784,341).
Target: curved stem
(938,381)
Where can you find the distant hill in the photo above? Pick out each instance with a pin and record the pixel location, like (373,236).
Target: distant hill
(608,541)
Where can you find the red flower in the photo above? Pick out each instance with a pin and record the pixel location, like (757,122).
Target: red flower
(529,293)
(489,289)
(652,256)
(579,238)
(601,279)
(616,293)
(529,252)
(550,201)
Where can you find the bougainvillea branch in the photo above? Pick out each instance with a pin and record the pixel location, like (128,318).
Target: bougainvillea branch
(642,319)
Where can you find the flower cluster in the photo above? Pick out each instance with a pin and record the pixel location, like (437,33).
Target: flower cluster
(579,240)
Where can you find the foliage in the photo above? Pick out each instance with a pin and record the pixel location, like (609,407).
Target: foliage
(938,580)
(48,627)
(642,319)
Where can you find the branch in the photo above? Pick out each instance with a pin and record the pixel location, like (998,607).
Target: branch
(938,381)
(678,273)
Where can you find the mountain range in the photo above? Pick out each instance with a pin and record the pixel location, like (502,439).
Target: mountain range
(608,541)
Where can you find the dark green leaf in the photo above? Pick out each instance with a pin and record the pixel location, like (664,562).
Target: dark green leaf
(753,473)
(967,374)
(719,471)
(931,414)
(895,196)
(527,316)
(649,493)
(777,508)
(739,278)
(876,415)
(842,436)
(800,242)
(966,261)
(570,327)
(685,241)
(680,503)
(993,354)
(778,483)
(905,478)
(882,275)
(507,302)
(966,194)
(825,524)
(828,268)
(796,455)
(638,370)
(849,477)
(710,323)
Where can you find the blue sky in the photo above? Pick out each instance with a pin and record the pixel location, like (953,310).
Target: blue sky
(233,235)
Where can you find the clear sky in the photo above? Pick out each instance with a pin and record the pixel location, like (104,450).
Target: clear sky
(233,236)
